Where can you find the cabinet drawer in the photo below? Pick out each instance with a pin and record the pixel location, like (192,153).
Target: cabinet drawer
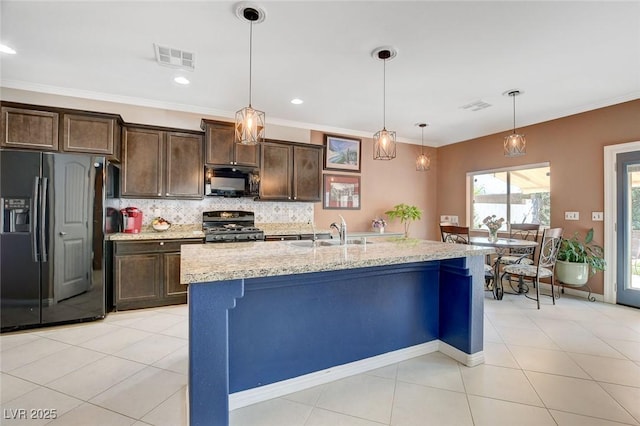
(281,237)
(156,246)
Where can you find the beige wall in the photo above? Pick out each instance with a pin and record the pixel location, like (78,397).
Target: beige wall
(385,184)
(573,146)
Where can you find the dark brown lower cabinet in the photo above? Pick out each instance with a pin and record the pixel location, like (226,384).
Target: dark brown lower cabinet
(147,273)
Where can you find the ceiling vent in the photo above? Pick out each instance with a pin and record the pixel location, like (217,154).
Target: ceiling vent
(476,106)
(175,58)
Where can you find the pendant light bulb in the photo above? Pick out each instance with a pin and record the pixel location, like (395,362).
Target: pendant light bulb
(515,144)
(249,123)
(423,162)
(384,141)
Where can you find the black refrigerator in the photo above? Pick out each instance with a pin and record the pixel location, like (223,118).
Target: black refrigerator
(51,238)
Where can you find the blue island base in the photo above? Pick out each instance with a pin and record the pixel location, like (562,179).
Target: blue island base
(245,334)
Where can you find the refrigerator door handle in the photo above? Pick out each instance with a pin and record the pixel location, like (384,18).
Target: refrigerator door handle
(43,219)
(35,253)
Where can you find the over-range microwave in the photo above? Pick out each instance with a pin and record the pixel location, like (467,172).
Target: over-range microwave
(231,182)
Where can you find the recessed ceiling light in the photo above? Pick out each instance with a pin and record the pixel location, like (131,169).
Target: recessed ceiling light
(7,49)
(181,80)
(297,101)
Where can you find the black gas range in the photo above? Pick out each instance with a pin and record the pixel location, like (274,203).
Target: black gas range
(224,226)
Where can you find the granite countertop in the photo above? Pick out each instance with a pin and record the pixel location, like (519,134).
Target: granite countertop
(219,262)
(176,232)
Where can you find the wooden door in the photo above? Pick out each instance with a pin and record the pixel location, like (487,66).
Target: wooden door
(275,171)
(89,133)
(29,129)
(73,180)
(142,163)
(137,280)
(219,142)
(307,173)
(172,287)
(185,168)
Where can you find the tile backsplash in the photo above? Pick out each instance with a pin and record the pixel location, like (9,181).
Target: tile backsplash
(188,212)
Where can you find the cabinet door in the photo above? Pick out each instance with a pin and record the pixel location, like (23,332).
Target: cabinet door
(185,167)
(219,141)
(172,287)
(29,129)
(246,155)
(222,150)
(307,173)
(137,280)
(88,133)
(275,171)
(142,163)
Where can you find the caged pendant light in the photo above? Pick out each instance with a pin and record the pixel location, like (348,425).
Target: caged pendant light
(423,162)
(249,121)
(384,147)
(515,144)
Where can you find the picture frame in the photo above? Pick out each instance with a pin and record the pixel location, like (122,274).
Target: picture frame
(341,153)
(341,192)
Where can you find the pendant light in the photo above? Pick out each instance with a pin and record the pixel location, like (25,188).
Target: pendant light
(423,162)
(515,144)
(249,121)
(384,147)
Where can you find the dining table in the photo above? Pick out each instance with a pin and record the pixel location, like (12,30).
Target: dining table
(502,246)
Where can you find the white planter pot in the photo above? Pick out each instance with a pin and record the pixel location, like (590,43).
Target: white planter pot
(569,273)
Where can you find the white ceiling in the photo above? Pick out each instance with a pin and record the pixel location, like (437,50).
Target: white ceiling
(567,57)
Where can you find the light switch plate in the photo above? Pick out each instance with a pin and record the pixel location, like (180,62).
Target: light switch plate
(597,216)
(571,216)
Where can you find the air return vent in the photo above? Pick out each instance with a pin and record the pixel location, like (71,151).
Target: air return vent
(476,106)
(175,58)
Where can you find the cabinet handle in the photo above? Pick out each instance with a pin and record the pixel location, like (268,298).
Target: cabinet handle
(159,194)
(167,194)
(161,243)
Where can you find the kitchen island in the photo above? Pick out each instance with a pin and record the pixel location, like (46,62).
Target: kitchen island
(266,319)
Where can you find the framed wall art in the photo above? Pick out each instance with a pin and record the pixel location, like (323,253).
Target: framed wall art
(341,192)
(342,153)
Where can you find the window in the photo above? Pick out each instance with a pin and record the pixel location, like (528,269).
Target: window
(519,195)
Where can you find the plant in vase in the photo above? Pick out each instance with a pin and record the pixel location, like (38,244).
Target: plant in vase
(406,214)
(579,259)
(378,225)
(493,224)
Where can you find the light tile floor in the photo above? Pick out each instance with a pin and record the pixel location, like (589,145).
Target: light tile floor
(576,363)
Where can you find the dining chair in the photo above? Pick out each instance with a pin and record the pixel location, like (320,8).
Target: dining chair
(455,234)
(460,235)
(544,268)
(522,231)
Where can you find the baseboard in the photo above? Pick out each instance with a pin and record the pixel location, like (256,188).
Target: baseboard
(462,357)
(275,390)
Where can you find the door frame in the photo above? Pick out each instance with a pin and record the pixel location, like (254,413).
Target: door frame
(610,215)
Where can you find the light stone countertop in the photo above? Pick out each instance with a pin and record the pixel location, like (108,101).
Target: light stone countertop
(219,262)
(176,232)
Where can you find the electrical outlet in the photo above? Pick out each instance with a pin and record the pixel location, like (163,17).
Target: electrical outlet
(449,219)
(597,216)
(571,216)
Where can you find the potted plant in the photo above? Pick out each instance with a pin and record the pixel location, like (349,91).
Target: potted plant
(406,214)
(579,259)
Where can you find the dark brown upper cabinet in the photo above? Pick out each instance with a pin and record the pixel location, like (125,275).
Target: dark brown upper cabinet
(290,171)
(92,134)
(221,149)
(53,129)
(161,164)
(29,129)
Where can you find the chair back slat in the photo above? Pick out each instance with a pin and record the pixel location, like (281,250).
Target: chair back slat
(551,239)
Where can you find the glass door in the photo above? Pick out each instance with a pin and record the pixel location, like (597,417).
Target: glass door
(628,227)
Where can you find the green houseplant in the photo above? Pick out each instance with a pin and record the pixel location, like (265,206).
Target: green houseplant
(406,214)
(579,259)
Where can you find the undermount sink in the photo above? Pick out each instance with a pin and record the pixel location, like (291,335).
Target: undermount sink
(326,243)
